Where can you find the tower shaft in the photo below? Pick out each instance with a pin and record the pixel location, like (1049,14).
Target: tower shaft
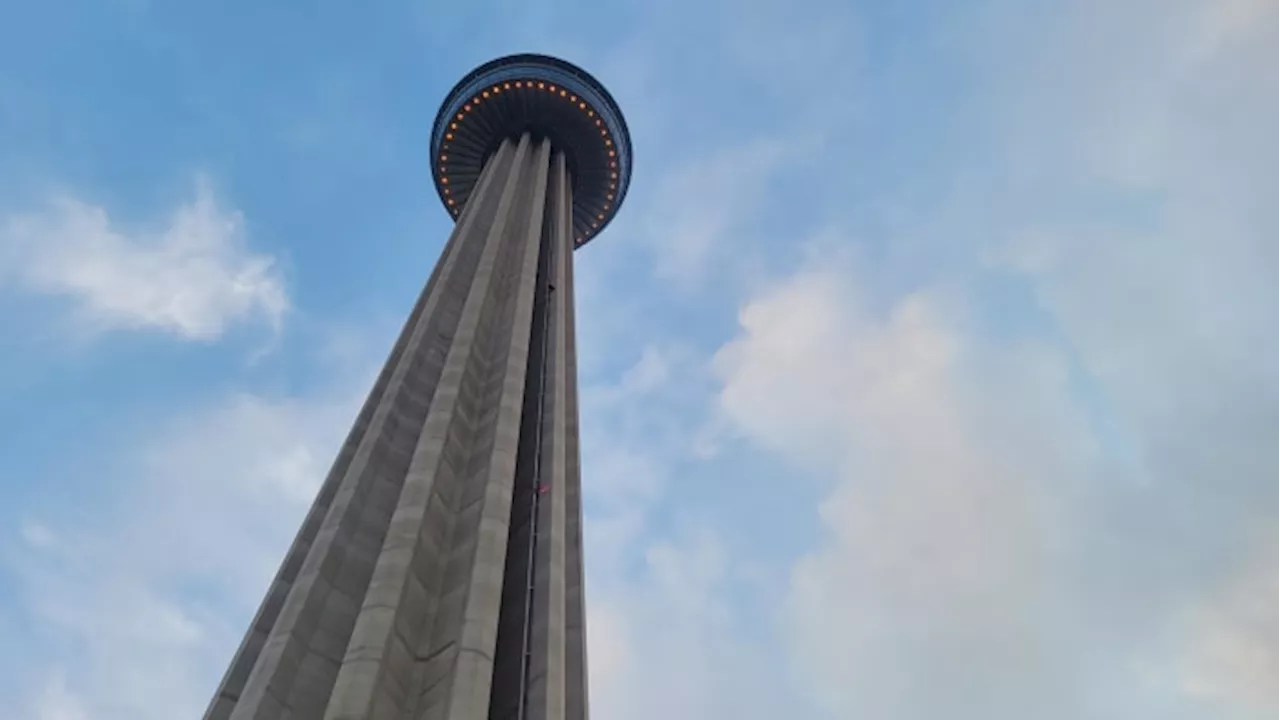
(438,575)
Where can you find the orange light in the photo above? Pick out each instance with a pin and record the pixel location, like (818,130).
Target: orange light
(444,158)
(562,93)
(613,164)
(552,88)
(448,136)
(612,153)
(484,94)
(600,216)
(450,201)
(444,180)
(573,98)
(607,141)
(582,106)
(606,206)
(518,84)
(466,108)
(614,176)
(459,117)
(610,195)
(507,86)
(594,225)
(597,122)
(591,113)
(495,88)
(542,86)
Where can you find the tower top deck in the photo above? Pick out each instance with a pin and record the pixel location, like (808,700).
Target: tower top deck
(546,97)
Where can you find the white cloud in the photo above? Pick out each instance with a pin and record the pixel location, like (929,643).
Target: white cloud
(649,374)
(194,278)
(55,701)
(671,641)
(1230,639)
(1013,523)
(667,636)
(154,593)
(37,535)
(794,332)
(698,205)
(626,470)
(1221,25)
(942,526)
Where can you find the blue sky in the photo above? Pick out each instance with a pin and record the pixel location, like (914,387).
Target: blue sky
(928,371)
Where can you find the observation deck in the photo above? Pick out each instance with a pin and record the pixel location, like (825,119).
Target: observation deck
(548,98)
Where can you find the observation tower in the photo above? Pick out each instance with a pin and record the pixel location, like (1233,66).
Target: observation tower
(438,574)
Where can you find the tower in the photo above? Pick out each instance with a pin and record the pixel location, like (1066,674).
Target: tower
(438,574)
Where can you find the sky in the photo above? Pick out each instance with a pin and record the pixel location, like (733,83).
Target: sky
(929,369)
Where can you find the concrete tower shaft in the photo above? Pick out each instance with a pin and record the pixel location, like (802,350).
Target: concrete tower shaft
(439,572)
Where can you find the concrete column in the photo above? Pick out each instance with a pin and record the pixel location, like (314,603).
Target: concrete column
(575,631)
(458,654)
(545,672)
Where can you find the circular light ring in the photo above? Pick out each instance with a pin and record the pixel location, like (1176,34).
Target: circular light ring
(550,98)
(468,164)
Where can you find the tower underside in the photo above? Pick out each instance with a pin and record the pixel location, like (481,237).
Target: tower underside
(438,575)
